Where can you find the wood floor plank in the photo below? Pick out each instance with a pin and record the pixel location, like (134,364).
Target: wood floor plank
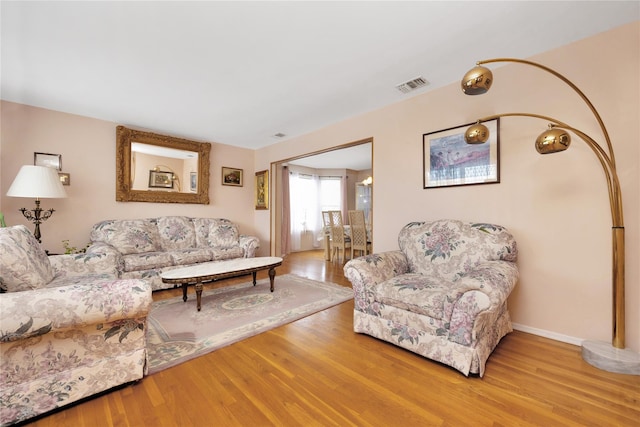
(318,372)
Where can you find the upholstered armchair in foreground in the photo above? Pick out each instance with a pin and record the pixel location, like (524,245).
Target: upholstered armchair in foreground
(68,327)
(442,295)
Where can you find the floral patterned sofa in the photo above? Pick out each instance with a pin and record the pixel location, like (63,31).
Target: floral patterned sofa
(68,327)
(442,295)
(144,248)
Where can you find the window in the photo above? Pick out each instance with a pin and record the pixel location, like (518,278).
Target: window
(330,197)
(309,196)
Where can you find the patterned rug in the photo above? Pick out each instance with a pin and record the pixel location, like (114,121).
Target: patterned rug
(177,332)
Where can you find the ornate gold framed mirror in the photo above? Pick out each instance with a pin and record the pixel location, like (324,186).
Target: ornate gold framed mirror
(161,169)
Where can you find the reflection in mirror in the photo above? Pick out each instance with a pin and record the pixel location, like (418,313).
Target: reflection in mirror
(158,168)
(162,169)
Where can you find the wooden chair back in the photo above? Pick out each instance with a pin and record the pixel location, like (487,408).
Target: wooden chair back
(359,240)
(338,239)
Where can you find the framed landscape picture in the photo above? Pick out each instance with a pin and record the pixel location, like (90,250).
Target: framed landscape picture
(232,176)
(449,161)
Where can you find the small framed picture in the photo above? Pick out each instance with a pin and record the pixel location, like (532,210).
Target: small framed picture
(193,182)
(232,176)
(49,160)
(65,178)
(262,190)
(160,179)
(449,161)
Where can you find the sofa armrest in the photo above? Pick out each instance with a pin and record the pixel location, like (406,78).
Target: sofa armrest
(483,294)
(496,279)
(365,272)
(99,258)
(249,245)
(38,312)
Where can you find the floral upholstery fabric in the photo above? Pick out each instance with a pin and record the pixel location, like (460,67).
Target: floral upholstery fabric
(164,243)
(190,256)
(76,268)
(24,265)
(222,233)
(144,261)
(128,236)
(446,249)
(176,233)
(442,295)
(81,334)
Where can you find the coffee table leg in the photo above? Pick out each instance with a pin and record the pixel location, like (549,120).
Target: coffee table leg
(184,291)
(254,277)
(199,295)
(272,276)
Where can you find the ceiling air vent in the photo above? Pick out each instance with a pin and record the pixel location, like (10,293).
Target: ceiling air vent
(413,84)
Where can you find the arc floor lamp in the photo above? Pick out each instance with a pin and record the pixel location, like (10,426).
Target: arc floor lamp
(610,357)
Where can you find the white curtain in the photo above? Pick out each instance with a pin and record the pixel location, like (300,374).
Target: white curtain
(305,208)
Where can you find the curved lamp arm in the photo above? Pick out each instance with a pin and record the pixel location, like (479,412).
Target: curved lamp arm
(613,184)
(478,81)
(569,83)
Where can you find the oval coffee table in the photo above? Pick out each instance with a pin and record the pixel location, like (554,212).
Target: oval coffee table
(216,270)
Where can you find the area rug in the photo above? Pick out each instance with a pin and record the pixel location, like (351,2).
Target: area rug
(177,332)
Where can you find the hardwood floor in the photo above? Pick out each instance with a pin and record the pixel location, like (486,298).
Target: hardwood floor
(318,372)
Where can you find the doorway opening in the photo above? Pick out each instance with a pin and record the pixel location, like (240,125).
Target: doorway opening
(352,162)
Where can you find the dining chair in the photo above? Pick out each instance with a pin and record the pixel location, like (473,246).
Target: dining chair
(359,236)
(326,234)
(339,241)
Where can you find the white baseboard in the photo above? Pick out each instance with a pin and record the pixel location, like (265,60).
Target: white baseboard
(548,334)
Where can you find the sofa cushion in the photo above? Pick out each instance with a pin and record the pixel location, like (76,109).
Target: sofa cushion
(147,261)
(176,233)
(24,265)
(190,256)
(219,254)
(418,293)
(201,227)
(223,233)
(447,249)
(128,236)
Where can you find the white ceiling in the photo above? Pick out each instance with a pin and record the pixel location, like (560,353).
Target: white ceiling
(357,158)
(239,72)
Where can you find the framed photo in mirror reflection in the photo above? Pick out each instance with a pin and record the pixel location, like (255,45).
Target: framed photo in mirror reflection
(161,179)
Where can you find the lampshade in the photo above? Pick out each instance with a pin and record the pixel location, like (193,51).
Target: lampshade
(37,181)
(477,134)
(477,81)
(553,141)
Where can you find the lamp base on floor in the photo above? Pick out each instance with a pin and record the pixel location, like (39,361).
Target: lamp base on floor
(605,356)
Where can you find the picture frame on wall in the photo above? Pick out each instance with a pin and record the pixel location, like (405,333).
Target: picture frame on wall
(448,161)
(262,190)
(193,182)
(65,178)
(232,176)
(160,179)
(49,160)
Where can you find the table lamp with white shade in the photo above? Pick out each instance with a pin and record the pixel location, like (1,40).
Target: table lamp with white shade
(38,182)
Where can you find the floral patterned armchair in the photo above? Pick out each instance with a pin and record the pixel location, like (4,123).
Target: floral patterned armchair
(442,295)
(68,327)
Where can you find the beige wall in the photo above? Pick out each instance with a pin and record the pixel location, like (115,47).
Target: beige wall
(88,152)
(556,206)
